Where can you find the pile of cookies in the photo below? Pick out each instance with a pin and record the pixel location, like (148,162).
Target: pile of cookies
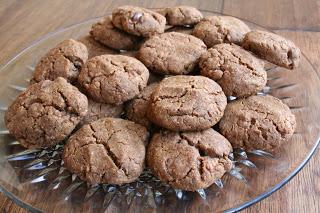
(170,90)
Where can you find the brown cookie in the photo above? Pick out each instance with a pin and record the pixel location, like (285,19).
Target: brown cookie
(107,34)
(109,150)
(187,103)
(136,109)
(95,48)
(98,110)
(171,53)
(258,122)
(113,79)
(273,48)
(220,29)
(138,21)
(65,60)
(46,113)
(237,71)
(189,160)
(182,15)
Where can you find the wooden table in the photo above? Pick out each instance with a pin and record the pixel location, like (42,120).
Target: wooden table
(23,22)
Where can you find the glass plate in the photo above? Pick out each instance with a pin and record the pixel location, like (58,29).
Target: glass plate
(37,180)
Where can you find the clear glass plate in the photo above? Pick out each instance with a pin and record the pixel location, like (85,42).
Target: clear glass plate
(37,180)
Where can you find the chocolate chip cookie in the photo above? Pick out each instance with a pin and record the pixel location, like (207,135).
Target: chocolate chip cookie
(46,113)
(237,71)
(220,29)
(187,103)
(65,60)
(181,15)
(107,34)
(113,79)
(95,48)
(137,108)
(258,122)
(272,47)
(108,150)
(189,160)
(171,53)
(138,21)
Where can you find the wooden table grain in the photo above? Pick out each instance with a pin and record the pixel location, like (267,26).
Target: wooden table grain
(23,22)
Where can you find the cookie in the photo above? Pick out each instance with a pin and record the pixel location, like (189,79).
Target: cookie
(109,150)
(98,110)
(182,15)
(95,48)
(113,79)
(65,60)
(46,113)
(220,29)
(107,34)
(237,71)
(187,103)
(273,48)
(138,21)
(136,109)
(171,53)
(189,160)
(258,122)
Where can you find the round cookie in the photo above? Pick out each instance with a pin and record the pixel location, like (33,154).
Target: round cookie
(46,113)
(108,150)
(138,21)
(171,53)
(187,103)
(258,122)
(272,47)
(65,60)
(113,79)
(182,15)
(95,48)
(136,109)
(98,110)
(189,160)
(107,34)
(237,71)
(220,29)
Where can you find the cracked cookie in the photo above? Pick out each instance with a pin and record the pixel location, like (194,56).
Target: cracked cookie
(138,21)
(181,15)
(109,150)
(186,103)
(258,122)
(65,60)
(189,160)
(272,47)
(220,29)
(95,48)
(46,113)
(171,53)
(113,79)
(136,109)
(236,70)
(107,34)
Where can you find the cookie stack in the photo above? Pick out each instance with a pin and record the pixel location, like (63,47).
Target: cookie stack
(170,88)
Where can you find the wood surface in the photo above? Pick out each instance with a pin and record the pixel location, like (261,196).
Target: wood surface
(23,22)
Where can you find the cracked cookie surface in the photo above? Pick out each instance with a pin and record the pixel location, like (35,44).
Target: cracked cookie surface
(107,34)
(65,60)
(272,47)
(95,48)
(220,29)
(258,122)
(46,113)
(171,53)
(109,150)
(236,70)
(138,21)
(189,160)
(181,15)
(186,103)
(113,79)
